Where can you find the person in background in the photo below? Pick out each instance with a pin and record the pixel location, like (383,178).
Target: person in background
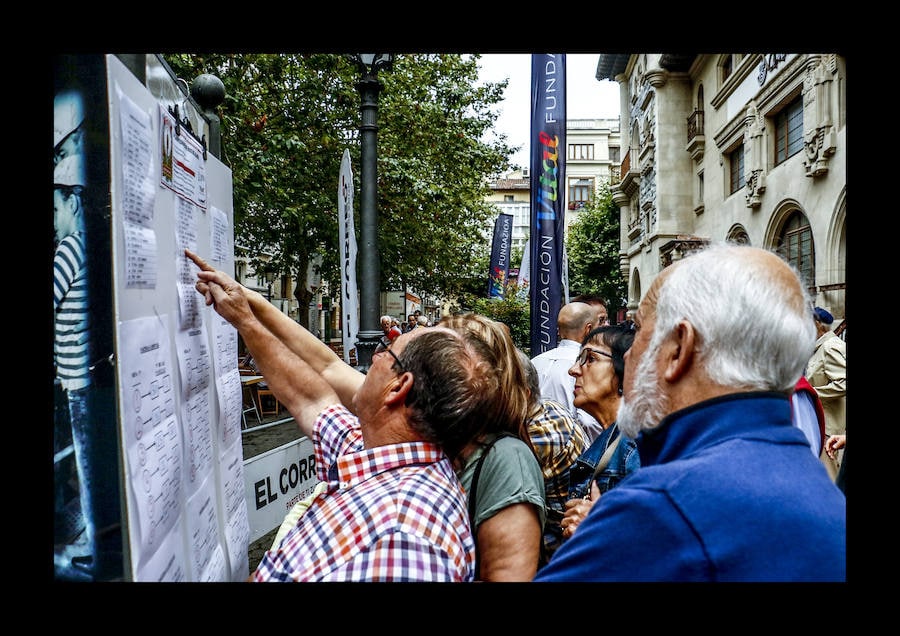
(558,440)
(832,446)
(573,322)
(393,508)
(390,331)
(507,500)
(827,373)
(411,323)
(599,380)
(597,303)
(727,490)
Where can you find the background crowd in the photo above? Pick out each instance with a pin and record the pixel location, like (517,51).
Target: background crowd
(653,450)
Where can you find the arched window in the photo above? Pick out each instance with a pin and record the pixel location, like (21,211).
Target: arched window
(796,246)
(738,235)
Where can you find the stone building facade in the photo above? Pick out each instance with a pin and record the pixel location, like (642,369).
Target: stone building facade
(748,148)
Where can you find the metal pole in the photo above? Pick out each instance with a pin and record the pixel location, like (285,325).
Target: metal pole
(370,261)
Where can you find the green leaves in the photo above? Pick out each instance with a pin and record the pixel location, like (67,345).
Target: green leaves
(286,121)
(592,248)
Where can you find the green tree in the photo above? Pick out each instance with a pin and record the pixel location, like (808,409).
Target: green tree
(511,310)
(286,121)
(592,248)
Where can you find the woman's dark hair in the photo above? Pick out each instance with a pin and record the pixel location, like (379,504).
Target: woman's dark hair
(619,339)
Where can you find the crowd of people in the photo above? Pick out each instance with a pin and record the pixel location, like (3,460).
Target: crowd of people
(456,457)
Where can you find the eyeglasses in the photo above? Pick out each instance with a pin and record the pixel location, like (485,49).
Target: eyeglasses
(385,345)
(585,358)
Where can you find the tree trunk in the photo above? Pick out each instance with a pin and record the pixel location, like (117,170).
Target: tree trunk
(303,296)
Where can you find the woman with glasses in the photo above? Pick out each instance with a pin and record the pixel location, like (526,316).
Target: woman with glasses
(599,375)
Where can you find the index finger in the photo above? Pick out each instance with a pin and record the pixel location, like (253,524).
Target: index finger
(199,261)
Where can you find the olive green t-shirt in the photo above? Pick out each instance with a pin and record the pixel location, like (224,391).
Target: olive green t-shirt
(510,475)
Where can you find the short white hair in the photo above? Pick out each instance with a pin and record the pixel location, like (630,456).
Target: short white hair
(753,332)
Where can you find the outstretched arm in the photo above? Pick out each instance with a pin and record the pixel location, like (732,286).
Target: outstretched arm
(293,381)
(344,379)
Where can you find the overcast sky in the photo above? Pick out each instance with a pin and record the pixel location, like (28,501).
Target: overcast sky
(586,97)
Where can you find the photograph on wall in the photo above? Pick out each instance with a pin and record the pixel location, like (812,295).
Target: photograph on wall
(87,522)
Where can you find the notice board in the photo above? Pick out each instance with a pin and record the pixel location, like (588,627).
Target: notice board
(178,388)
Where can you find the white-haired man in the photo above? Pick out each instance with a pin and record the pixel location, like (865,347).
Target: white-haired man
(727,489)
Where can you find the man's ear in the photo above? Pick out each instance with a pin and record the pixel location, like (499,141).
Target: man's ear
(679,351)
(398,391)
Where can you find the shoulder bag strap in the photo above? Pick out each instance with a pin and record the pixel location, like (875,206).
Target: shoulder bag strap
(472,493)
(604,460)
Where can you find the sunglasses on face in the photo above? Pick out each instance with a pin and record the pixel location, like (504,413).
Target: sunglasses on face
(585,357)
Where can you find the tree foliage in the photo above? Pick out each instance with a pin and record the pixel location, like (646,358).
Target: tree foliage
(592,248)
(512,310)
(286,121)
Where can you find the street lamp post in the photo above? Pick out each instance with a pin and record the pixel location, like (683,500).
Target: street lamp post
(370,263)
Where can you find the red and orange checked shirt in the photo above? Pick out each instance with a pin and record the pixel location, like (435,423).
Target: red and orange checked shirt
(391,513)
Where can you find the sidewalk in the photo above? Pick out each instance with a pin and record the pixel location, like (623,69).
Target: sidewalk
(273,431)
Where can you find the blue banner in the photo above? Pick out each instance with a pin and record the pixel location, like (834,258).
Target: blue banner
(548,174)
(500,251)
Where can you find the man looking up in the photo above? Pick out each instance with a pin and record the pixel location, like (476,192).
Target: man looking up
(727,489)
(393,508)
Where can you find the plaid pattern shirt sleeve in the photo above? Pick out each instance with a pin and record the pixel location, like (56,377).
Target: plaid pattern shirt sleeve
(558,441)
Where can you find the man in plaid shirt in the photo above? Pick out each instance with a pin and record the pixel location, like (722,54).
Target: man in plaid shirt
(393,508)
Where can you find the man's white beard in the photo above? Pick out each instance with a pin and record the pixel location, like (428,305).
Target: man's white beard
(642,409)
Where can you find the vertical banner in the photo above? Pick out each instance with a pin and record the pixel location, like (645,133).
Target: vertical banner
(548,172)
(500,256)
(525,272)
(347,230)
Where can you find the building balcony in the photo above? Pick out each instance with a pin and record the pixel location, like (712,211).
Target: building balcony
(630,175)
(696,141)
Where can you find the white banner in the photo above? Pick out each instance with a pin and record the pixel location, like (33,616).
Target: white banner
(347,230)
(274,481)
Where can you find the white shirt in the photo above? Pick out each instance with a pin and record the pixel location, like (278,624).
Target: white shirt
(556,383)
(806,419)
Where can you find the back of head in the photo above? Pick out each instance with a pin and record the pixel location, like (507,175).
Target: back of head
(598,304)
(573,318)
(751,313)
(453,387)
(511,403)
(823,317)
